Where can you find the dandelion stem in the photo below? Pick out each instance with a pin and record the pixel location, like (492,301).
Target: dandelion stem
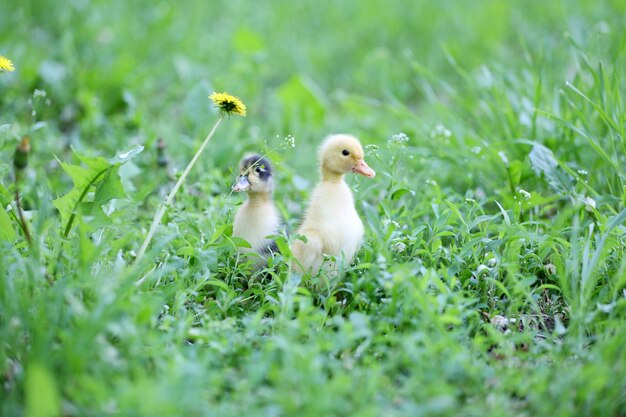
(70,221)
(159,214)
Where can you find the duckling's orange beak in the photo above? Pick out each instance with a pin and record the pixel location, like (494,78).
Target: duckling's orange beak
(362,168)
(242,184)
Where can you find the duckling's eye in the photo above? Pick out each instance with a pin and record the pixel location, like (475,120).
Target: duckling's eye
(258,170)
(345,152)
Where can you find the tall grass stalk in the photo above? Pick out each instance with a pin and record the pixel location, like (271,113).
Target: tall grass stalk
(159,214)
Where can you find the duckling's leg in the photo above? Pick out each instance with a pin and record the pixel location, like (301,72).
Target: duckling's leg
(309,254)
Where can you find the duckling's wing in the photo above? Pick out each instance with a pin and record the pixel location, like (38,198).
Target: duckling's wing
(309,255)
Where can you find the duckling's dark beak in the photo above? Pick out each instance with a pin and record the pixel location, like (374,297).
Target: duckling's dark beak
(242,184)
(362,168)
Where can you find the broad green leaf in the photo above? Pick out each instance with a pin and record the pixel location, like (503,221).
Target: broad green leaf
(481,219)
(5,196)
(240,243)
(400,192)
(96,163)
(67,204)
(110,187)
(543,162)
(283,246)
(128,169)
(42,396)
(507,219)
(96,175)
(87,247)
(6,228)
(515,171)
(302,99)
(218,284)
(80,176)
(456,211)
(95,214)
(450,319)
(226,230)
(246,41)
(186,251)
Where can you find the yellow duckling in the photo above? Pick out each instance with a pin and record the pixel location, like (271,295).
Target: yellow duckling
(258,217)
(331,224)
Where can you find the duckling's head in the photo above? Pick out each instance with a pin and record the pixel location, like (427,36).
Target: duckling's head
(341,154)
(255,175)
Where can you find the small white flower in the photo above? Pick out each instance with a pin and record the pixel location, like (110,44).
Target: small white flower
(398,247)
(371,149)
(399,138)
(440,131)
(590,203)
(15,322)
(291,141)
(387,221)
(604,27)
(476,150)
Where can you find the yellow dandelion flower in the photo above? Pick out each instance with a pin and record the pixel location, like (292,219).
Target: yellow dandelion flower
(6,64)
(228,104)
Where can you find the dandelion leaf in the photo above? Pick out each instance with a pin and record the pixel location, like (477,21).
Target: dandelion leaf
(42,395)
(80,175)
(66,204)
(92,216)
(84,179)
(96,163)
(96,182)
(87,247)
(5,196)
(7,233)
(110,187)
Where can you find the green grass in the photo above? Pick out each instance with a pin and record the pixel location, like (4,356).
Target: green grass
(506,200)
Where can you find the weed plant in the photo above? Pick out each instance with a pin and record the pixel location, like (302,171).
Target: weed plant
(492,279)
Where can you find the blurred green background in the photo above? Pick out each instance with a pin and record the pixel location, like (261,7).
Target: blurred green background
(305,68)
